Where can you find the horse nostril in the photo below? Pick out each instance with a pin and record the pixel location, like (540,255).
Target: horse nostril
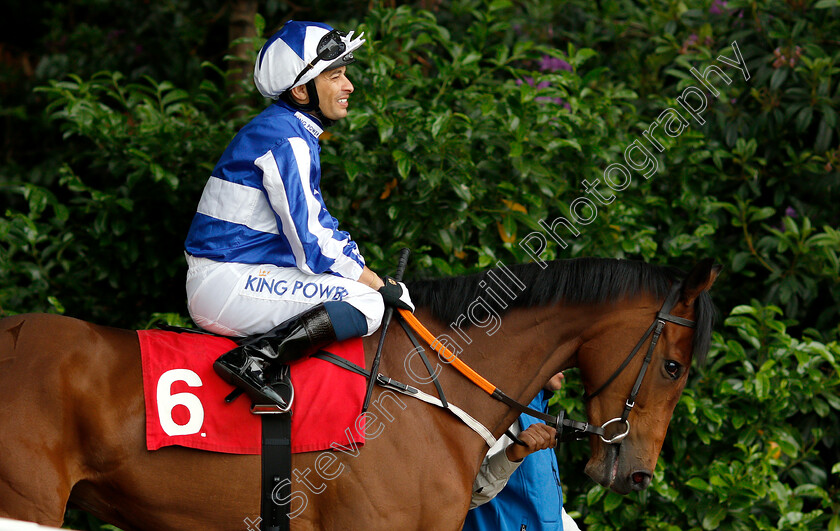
(641,480)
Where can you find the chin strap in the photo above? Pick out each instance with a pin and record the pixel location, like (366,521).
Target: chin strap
(313,107)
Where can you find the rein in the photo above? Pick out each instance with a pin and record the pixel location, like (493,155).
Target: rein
(559,422)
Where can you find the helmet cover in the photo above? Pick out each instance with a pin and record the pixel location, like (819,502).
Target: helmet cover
(292,50)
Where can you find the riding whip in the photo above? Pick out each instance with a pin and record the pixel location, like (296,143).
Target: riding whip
(386,321)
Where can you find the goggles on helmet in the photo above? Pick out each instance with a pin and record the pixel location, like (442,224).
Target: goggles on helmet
(330,47)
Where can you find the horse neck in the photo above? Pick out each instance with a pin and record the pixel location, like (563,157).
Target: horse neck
(517,354)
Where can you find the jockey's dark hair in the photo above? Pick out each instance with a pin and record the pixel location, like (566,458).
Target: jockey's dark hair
(574,281)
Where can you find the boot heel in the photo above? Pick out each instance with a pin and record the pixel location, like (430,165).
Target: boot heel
(226,373)
(236,369)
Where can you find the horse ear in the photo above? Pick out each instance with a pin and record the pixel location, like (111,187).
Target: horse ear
(700,279)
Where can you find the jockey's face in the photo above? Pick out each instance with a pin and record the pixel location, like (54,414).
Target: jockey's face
(334,91)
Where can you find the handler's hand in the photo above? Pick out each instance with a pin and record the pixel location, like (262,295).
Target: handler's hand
(536,437)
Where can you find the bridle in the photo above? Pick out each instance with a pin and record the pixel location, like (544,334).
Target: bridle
(655,329)
(576,429)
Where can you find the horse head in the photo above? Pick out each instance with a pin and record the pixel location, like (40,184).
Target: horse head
(626,463)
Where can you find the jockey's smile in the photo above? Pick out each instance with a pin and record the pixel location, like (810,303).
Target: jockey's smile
(334,89)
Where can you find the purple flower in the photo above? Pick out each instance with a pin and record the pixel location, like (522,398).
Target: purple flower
(717,7)
(530,81)
(542,85)
(558,101)
(790,212)
(552,64)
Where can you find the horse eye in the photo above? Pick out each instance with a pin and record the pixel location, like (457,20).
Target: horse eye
(673,369)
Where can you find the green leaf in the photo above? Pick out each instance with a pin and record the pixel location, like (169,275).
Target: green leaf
(55,303)
(743,309)
(612,501)
(698,484)
(778,77)
(571,142)
(824,134)
(834,523)
(740,260)
(761,213)
(713,517)
(787,443)
(496,5)
(403,162)
(439,123)
(595,494)
(259,24)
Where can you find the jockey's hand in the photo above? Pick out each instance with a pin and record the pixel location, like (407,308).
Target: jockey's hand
(536,437)
(395,294)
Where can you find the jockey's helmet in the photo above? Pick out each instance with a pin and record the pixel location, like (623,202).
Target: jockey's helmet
(298,53)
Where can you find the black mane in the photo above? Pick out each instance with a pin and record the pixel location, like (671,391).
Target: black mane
(575,281)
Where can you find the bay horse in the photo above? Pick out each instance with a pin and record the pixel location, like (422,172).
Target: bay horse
(72,410)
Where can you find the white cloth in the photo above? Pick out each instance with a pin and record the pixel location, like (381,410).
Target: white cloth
(236,299)
(568,523)
(494,472)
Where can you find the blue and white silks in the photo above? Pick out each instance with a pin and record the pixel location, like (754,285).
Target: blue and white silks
(263,203)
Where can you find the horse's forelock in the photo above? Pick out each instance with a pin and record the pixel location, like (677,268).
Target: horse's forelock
(704,316)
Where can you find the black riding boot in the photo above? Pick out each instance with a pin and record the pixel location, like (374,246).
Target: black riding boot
(249,366)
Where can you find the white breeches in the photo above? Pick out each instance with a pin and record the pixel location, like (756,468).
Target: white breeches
(235,299)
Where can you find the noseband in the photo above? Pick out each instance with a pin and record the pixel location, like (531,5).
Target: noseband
(655,328)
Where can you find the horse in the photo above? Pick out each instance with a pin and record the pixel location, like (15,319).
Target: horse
(72,409)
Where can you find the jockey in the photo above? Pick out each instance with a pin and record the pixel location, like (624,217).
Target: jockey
(265,256)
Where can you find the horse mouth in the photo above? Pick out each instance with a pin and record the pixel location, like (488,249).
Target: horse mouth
(609,473)
(614,468)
